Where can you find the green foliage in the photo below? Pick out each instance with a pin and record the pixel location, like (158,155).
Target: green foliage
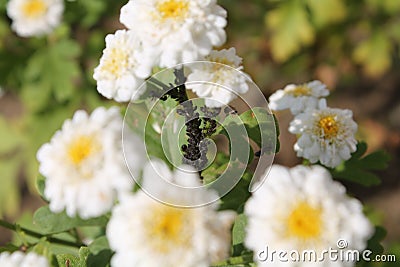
(359,169)
(51,223)
(51,71)
(290,29)
(344,29)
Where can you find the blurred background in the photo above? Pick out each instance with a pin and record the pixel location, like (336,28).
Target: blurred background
(352,46)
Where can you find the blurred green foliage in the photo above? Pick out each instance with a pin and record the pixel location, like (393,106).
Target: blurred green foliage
(300,38)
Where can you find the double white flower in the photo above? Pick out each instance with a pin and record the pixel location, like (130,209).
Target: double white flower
(219,79)
(178,31)
(35,17)
(84,165)
(298,98)
(123,67)
(299,209)
(145,232)
(325,134)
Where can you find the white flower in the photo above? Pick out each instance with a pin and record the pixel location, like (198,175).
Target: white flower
(298,98)
(84,165)
(35,17)
(325,134)
(145,232)
(303,209)
(179,30)
(19,259)
(226,81)
(123,67)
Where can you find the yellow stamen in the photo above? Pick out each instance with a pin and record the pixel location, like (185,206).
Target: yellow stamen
(166,228)
(173,9)
(304,221)
(300,90)
(329,126)
(81,148)
(116,62)
(34,8)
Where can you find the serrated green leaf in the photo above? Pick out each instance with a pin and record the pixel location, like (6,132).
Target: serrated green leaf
(290,29)
(358,169)
(261,128)
(68,260)
(235,199)
(98,245)
(376,161)
(51,69)
(356,175)
(51,223)
(72,260)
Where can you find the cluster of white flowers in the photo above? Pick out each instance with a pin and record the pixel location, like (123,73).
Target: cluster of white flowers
(145,232)
(218,83)
(84,165)
(303,209)
(171,32)
(19,259)
(324,134)
(35,17)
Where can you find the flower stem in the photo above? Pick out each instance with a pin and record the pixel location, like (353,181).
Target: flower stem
(15,228)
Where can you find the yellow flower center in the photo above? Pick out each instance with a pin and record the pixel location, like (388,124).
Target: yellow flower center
(34,8)
(81,148)
(173,9)
(116,62)
(166,228)
(329,126)
(300,90)
(304,221)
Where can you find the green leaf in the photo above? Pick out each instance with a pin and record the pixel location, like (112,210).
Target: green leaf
(100,253)
(51,223)
(51,69)
(40,185)
(239,229)
(262,128)
(327,11)
(290,29)
(72,260)
(374,54)
(98,245)
(236,198)
(68,260)
(358,169)
(102,259)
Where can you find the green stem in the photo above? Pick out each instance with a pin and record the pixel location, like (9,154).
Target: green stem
(14,227)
